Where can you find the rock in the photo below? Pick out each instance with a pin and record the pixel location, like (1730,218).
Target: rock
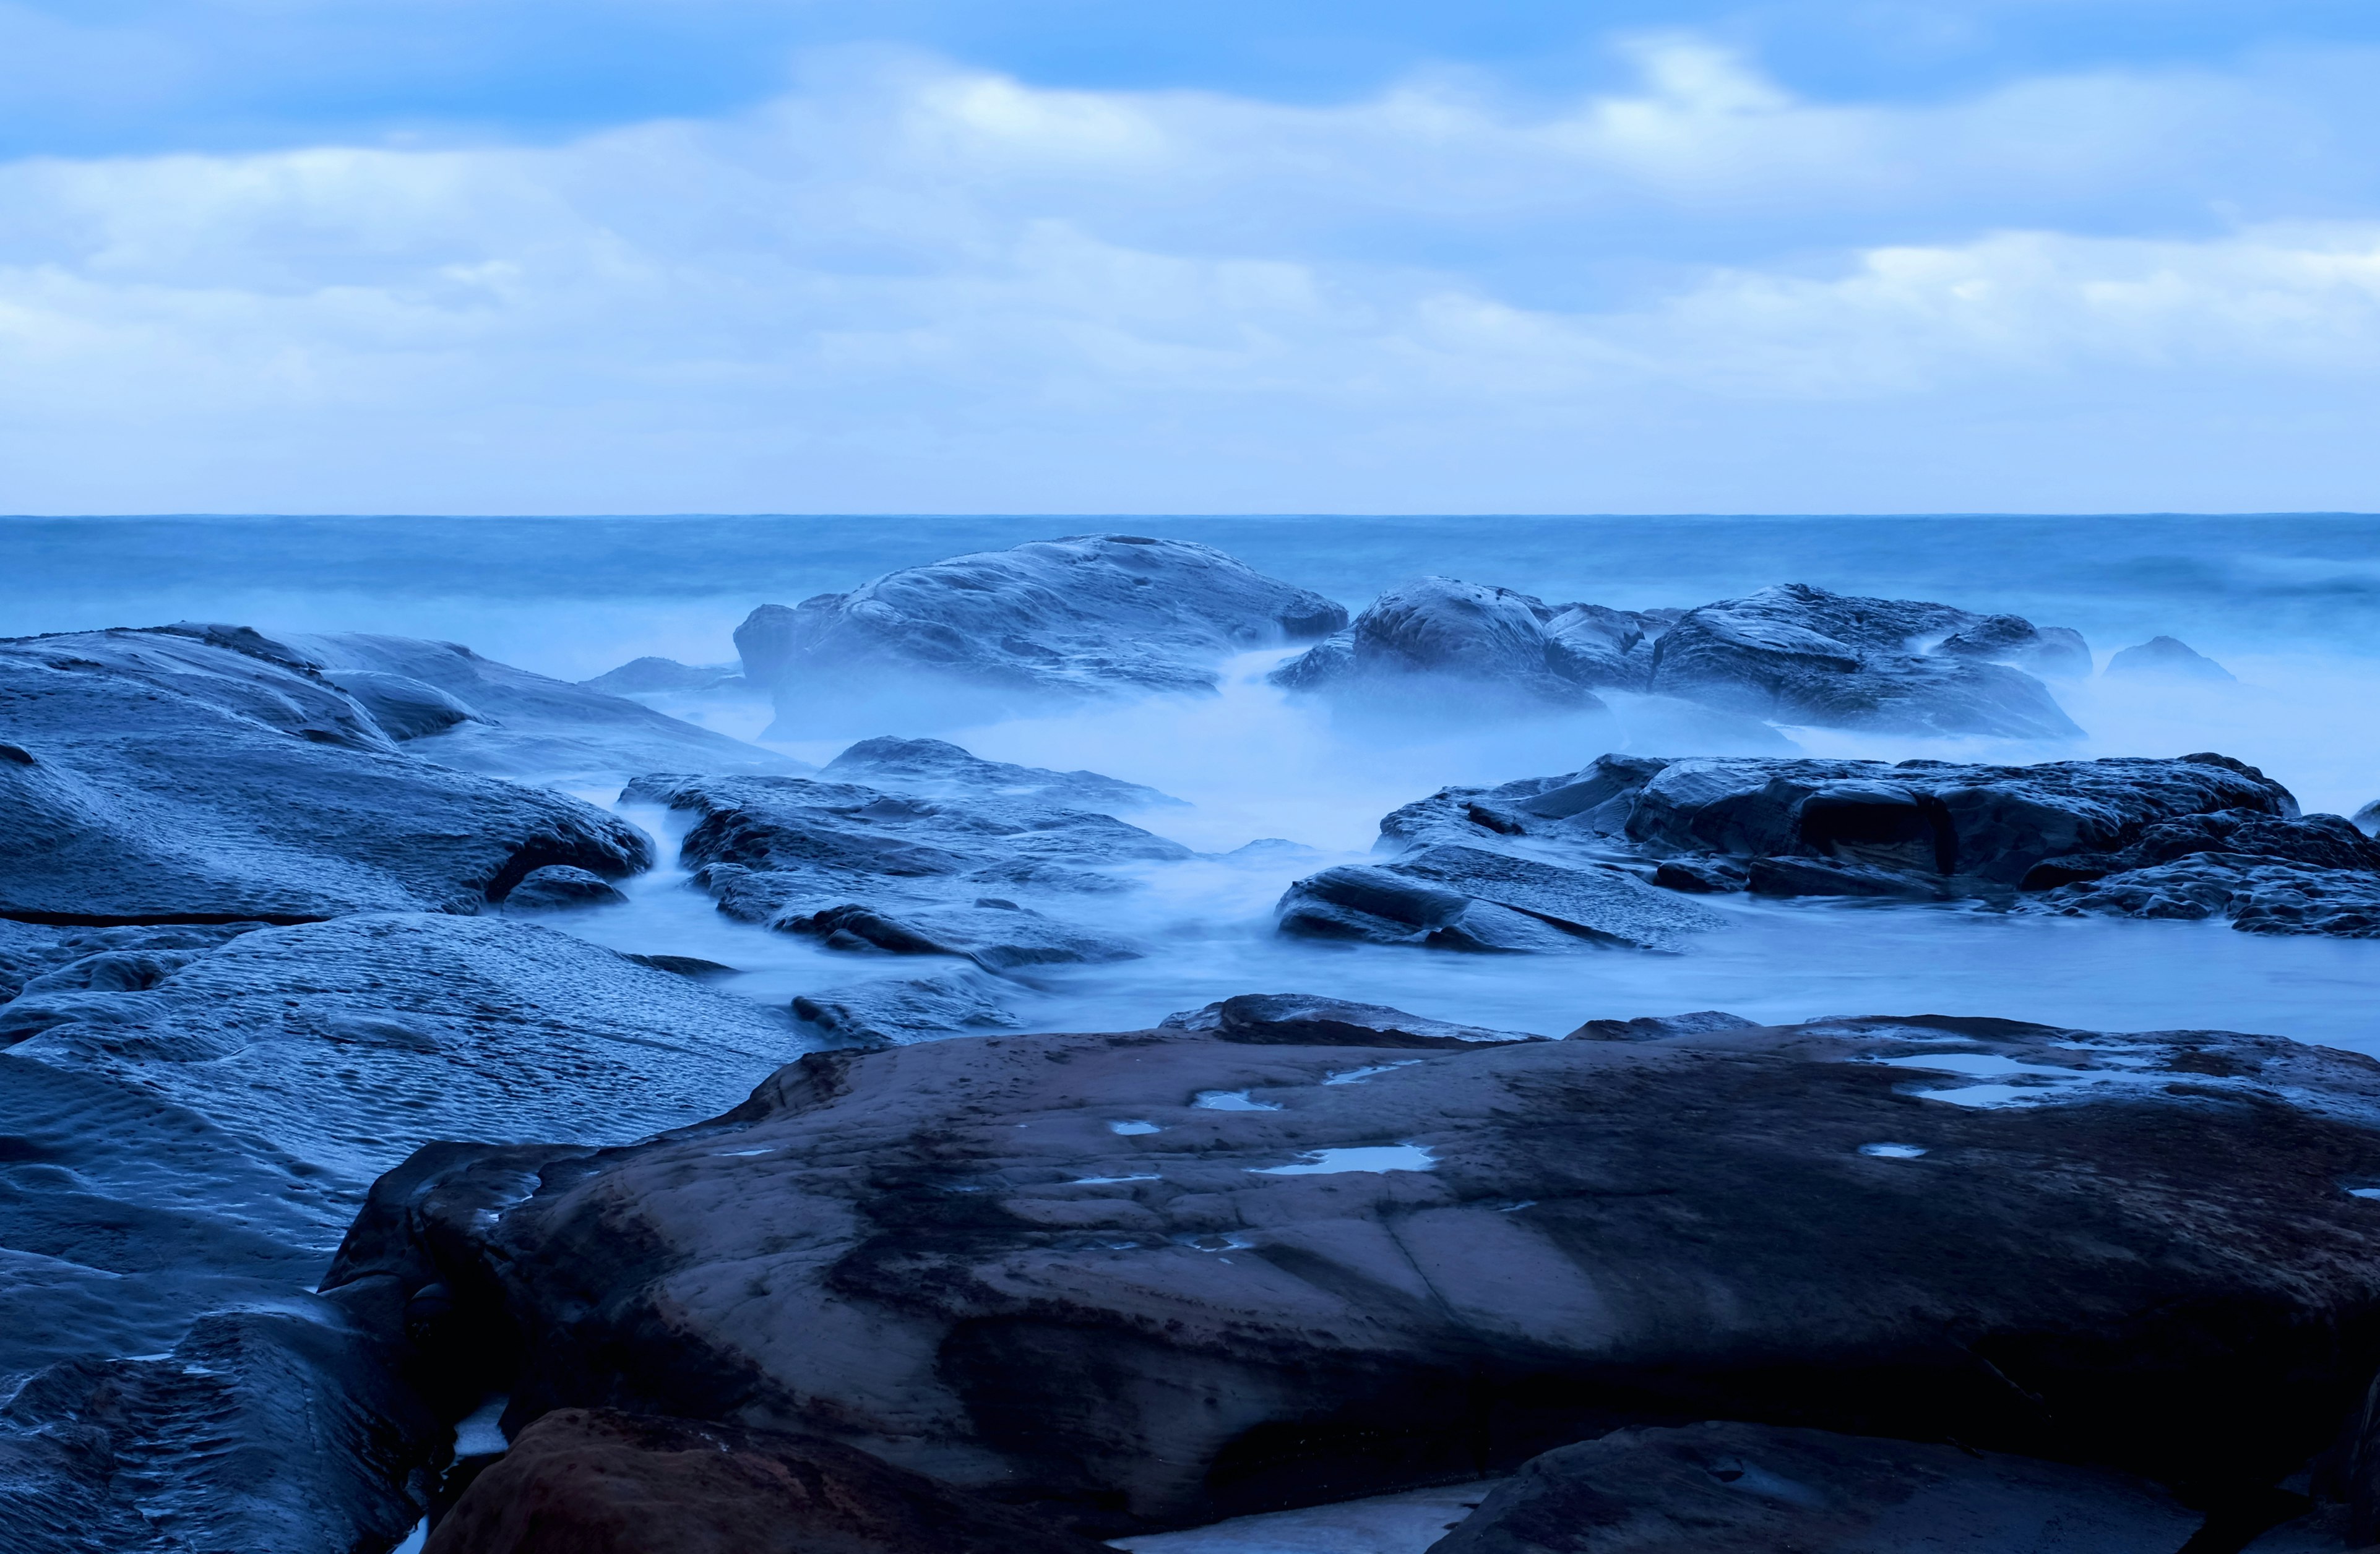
(861,868)
(1158,1278)
(936,768)
(1442,636)
(1791,655)
(1302,1019)
(649,676)
(896,1009)
(1090,616)
(2167,658)
(1801,655)
(2257,895)
(476,715)
(558,885)
(205,775)
(597,1481)
(1710,1487)
(1658,1028)
(1384,907)
(2367,819)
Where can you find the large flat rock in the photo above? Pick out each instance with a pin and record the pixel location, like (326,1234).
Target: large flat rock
(1163,1277)
(199,776)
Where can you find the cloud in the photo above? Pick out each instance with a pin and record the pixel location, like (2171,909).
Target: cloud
(905,284)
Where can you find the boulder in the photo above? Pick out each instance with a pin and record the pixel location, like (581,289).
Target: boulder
(1726,1488)
(557,886)
(464,711)
(1302,1019)
(1161,1277)
(1453,896)
(2165,658)
(937,768)
(597,1481)
(204,774)
(1089,616)
(1787,655)
(651,676)
(927,876)
(895,1010)
(1801,655)
(2367,819)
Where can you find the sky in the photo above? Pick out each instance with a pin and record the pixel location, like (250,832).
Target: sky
(1066,257)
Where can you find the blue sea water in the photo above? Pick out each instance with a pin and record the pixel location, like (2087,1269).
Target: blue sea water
(2290,604)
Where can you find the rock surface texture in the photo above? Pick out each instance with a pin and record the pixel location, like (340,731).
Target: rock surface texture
(938,769)
(1161,1277)
(596,1481)
(2200,836)
(1735,1489)
(1792,655)
(206,773)
(1090,616)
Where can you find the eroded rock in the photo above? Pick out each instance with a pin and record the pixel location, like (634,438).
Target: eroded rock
(937,768)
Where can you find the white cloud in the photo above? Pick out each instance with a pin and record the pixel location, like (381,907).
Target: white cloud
(906,285)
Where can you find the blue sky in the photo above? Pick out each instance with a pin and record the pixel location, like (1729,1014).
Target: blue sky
(1052,254)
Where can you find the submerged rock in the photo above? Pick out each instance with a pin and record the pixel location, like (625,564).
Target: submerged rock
(937,768)
(558,885)
(1163,1277)
(597,1481)
(1092,616)
(2203,836)
(1719,1487)
(461,710)
(1790,654)
(2167,659)
(201,774)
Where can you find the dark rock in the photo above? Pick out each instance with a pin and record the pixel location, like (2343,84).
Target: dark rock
(1088,616)
(1741,1489)
(1384,906)
(1059,1266)
(597,1481)
(1702,876)
(1801,655)
(465,711)
(2167,659)
(683,966)
(558,885)
(1658,1028)
(1813,877)
(937,768)
(178,778)
(2054,651)
(892,1011)
(1302,1019)
(862,868)
(651,676)
(2259,895)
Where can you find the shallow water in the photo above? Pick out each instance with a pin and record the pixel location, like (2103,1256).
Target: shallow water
(2292,606)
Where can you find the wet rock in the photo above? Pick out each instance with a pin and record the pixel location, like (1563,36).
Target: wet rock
(2052,652)
(937,768)
(862,868)
(559,885)
(597,1481)
(1712,1488)
(1702,876)
(1461,639)
(1159,1278)
(2258,895)
(2165,658)
(1801,655)
(1304,1020)
(474,714)
(1382,906)
(208,775)
(896,1009)
(2367,819)
(1090,616)
(1660,1027)
(651,676)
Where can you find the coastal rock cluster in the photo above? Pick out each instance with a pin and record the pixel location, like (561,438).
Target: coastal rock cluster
(2201,836)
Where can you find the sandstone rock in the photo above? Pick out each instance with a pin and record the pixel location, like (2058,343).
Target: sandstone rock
(597,1481)
(1089,616)
(1741,1489)
(896,1009)
(1464,640)
(2165,658)
(202,775)
(558,886)
(1302,1020)
(1160,1277)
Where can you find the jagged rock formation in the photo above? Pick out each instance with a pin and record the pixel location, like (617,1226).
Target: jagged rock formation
(1791,655)
(2165,658)
(1160,1277)
(2203,836)
(204,774)
(1090,616)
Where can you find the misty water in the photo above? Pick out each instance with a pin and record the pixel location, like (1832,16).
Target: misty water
(2292,606)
